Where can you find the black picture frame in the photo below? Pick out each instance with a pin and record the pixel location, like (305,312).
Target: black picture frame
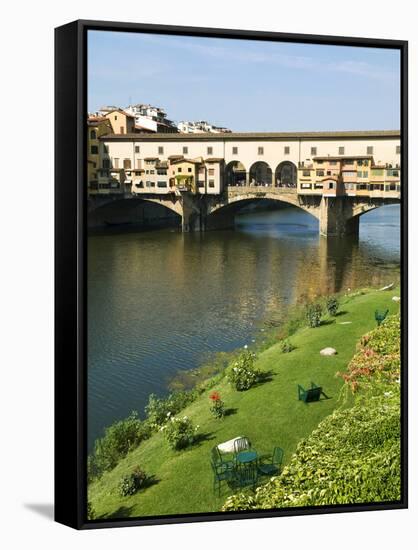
(71,268)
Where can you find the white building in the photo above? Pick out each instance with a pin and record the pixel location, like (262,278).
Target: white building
(199,127)
(150,118)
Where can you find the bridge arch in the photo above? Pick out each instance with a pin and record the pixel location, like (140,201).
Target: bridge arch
(235,173)
(222,215)
(260,173)
(104,211)
(286,174)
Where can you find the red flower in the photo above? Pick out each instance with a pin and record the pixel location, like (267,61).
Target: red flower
(214,396)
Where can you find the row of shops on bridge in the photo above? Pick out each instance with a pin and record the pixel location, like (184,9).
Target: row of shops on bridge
(123,165)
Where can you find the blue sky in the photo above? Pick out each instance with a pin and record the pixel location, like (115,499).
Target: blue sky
(247,85)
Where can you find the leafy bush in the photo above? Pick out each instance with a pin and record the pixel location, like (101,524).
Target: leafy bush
(91,513)
(313,315)
(119,439)
(377,357)
(131,483)
(159,410)
(180,432)
(286,346)
(218,406)
(243,374)
(332,305)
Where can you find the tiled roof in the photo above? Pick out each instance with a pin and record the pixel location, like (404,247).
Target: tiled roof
(260,136)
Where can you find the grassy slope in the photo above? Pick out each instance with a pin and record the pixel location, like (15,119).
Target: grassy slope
(268,414)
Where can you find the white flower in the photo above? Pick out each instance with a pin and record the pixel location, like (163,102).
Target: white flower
(245,347)
(169,413)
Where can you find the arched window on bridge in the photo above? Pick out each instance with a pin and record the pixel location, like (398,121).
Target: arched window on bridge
(235,173)
(286,174)
(260,174)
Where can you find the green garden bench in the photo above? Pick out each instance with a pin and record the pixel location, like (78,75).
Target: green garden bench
(311,394)
(380,316)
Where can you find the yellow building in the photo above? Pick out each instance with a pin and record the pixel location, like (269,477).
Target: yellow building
(122,123)
(352,176)
(96,127)
(184,173)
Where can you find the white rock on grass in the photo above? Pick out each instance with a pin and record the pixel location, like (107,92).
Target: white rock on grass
(328,351)
(396,298)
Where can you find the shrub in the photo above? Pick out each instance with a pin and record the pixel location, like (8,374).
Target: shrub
(131,483)
(91,513)
(121,437)
(218,406)
(313,315)
(286,346)
(332,306)
(159,410)
(180,432)
(377,357)
(243,374)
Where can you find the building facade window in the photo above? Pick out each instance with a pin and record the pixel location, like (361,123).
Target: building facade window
(179,170)
(127,164)
(398,149)
(94,150)
(320,173)
(341,150)
(93,134)
(306,173)
(201,183)
(161,150)
(161,184)
(287,150)
(116,163)
(106,164)
(189,169)
(314,151)
(211,171)
(261,150)
(210,150)
(137,149)
(369,150)
(211,183)
(185,150)
(235,150)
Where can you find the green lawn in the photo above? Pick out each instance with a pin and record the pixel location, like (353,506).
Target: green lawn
(269,414)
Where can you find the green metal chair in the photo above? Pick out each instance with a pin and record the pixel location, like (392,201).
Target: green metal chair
(311,394)
(246,475)
(221,473)
(218,459)
(380,316)
(274,465)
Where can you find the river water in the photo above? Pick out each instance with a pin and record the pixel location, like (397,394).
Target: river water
(159,301)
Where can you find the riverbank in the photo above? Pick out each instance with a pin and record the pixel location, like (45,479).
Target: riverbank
(269,414)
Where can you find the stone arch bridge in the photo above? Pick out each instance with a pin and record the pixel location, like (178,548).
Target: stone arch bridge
(337,215)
